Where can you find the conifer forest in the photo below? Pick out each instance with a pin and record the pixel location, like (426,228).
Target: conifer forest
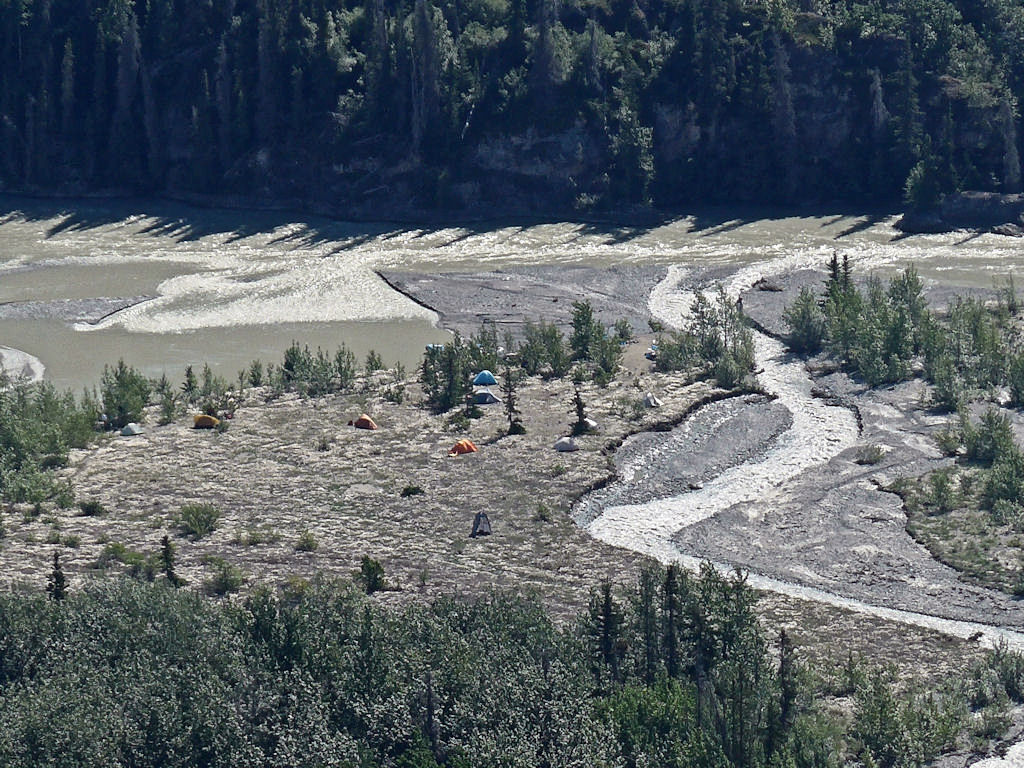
(523,104)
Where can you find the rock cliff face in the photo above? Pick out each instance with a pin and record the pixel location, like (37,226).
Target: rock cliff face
(823,131)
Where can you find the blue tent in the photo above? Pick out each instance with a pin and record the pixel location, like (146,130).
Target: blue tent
(484,379)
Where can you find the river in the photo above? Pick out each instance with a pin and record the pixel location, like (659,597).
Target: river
(226,286)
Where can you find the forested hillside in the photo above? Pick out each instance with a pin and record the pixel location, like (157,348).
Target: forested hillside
(524,103)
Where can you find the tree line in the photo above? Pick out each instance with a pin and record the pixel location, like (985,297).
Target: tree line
(675,670)
(580,104)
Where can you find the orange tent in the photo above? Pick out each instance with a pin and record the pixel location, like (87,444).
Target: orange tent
(363,422)
(463,446)
(204,421)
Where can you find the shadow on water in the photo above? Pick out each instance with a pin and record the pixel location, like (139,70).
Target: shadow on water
(184,222)
(863,223)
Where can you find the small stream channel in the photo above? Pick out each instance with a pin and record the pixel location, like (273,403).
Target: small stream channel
(819,431)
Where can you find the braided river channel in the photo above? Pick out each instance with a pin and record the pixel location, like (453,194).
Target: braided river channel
(165,285)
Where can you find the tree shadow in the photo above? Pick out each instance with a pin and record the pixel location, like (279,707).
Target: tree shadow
(865,222)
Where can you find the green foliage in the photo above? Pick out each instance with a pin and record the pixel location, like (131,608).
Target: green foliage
(92,508)
(715,338)
(579,409)
(806,323)
(371,575)
(943,493)
(57,583)
(882,333)
(395,391)
(445,374)
(167,555)
(1015,380)
(306,542)
(37,428)
(374,362)
(675,104)
(586,331)
(190,386)
(198,520)
(1005,482)
(511,378)
(125,394)
(255,373)
(673,671)
(543,351)
(924,185)
(345,367)
(990,439)
(225,580)
(484,348)
(911,731)
(168,407)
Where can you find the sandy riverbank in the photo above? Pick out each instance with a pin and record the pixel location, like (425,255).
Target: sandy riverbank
(20,366)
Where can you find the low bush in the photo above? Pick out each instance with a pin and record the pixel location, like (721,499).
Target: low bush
(226,578)
(306,542)
(92,508)
(198,520)
(371,575)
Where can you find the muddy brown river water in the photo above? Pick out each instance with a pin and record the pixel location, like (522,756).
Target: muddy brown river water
(226,286)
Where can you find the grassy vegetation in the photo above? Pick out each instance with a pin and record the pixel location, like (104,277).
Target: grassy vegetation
(971,515)
(198,520)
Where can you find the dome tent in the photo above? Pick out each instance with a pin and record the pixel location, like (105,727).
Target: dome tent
(484,379)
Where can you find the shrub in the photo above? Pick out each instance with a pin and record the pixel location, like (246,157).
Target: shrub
(1005,481)
(125,394)
(374,362)
(226,578)
(168,407)
(92,508)
(1015,380)
(586,331)
(345,367)
(197,520)
(943,495)
(411,490)
(444,374)
(870,454)
(255,373)
(116,552)
(395,391)
(371,575)
(306,542)
(990,439)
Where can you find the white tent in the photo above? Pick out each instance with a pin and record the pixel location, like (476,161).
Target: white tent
(483,397)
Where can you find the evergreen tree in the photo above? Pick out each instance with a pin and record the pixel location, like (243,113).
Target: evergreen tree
(57,583)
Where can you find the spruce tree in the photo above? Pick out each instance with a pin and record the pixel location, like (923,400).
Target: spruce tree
(57,584)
